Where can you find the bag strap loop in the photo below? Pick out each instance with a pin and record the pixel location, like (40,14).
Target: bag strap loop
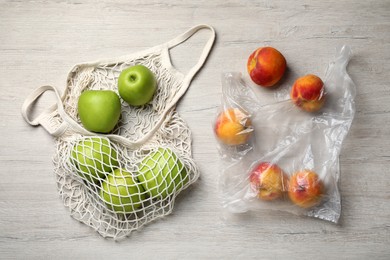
(206,50)
(45,119)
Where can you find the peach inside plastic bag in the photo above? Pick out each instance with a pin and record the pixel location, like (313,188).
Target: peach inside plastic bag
(290,138)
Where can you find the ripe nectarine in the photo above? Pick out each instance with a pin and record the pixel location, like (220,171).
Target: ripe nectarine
(233,127)
(266,66)
(305,189)
(269,181)
(308,93)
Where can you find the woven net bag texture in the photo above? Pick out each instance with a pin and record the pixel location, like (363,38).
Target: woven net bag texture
(118,182)
(113,187)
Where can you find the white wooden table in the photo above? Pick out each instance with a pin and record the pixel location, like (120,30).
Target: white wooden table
(41,40)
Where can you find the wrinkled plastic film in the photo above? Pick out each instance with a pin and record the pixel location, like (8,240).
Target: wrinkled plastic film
(290,138)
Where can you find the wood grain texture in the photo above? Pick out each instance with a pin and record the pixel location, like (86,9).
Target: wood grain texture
(41,40)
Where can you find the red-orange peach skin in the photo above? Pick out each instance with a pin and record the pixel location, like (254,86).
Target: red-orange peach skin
(266,66)
(308,93)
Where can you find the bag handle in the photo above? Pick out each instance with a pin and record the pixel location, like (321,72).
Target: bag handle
(45,119)
(186,82)
(187,79)
(206,50)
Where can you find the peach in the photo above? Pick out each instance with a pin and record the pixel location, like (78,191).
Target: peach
(305,189)
(233,127)
(269,181)
(266,66)
(308,93)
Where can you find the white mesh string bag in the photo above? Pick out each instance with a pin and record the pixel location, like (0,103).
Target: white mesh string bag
(118,182)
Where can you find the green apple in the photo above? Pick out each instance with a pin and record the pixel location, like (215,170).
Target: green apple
(136,85)
(161,173)
(93,158)
(99,110)
(121,193)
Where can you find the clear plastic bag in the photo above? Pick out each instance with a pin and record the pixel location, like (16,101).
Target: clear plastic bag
(287,142)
